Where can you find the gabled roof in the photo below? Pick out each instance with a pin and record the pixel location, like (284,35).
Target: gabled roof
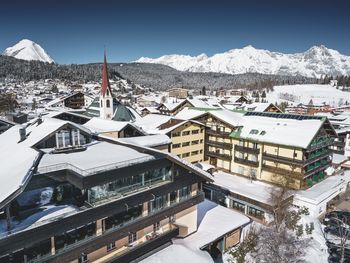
(275,128)
(101,125)
(19,159)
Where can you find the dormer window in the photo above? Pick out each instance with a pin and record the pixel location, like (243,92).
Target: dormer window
(62,139)
(69,138)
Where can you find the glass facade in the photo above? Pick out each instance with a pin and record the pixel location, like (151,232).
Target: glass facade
(128,184)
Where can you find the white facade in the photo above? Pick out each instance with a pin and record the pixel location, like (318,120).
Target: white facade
(106,106)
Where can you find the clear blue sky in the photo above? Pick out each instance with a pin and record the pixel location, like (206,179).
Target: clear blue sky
(76,31)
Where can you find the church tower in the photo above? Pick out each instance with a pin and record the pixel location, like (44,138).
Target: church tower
(106,99)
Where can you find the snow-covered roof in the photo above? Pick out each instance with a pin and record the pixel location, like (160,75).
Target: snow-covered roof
(213,222)
(176,253)
(18,158)
(322,190)
(291,132)
(152,121)
(101,125)
(258,106)
(148,140)
(173,127)
(230,117)
(339,158)
(205,166)
(99,156)
(171,157)
(255,190)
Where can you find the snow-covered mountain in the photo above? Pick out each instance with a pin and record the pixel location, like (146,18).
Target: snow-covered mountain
(315,62)
(28,50)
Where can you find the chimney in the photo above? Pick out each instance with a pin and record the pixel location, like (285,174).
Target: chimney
(22,133)
(40,120)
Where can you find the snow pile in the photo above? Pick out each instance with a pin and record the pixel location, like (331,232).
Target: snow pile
(315,62)
(28,50)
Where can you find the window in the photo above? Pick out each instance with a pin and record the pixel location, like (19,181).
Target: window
(195,142)
(62,139)
(107,93)
(195,131)
(194,153)
(255,212)
(184,192)
(262,132)
(202,130)
(176,134)
(185,155)
(201,141)
(185,133)
(200,151)
(237,205)
(158,203)
(295,155)
(185,144)
(101,104)
(108,104)
(83,258)
(255,145)
(176,145)
(131,237)
(254,132)
(110,246)
(156,227)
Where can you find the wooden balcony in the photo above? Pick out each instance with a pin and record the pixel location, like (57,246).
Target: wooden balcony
(282,159)
(282,171)
(246,162)
(218,133)
(317,157)
(219,155)
(223,145)
(246,149)
(317,169)
(321,144)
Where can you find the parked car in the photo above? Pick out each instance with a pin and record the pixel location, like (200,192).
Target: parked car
(337,231)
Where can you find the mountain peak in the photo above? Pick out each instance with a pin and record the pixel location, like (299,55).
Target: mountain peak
(28,50)
(315,62)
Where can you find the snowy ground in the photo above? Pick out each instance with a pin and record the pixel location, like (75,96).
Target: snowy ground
(295,94)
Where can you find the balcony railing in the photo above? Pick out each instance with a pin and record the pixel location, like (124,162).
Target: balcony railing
(131,222)
(246,162)
(219,155)
(282,159)
(219,133)
(320,144)
(140,249)
(317,156)
(246,149)
(223,145)
(281,171)
(318,168)
(87,172)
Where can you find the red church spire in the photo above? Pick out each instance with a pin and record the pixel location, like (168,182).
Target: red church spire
(105,81)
